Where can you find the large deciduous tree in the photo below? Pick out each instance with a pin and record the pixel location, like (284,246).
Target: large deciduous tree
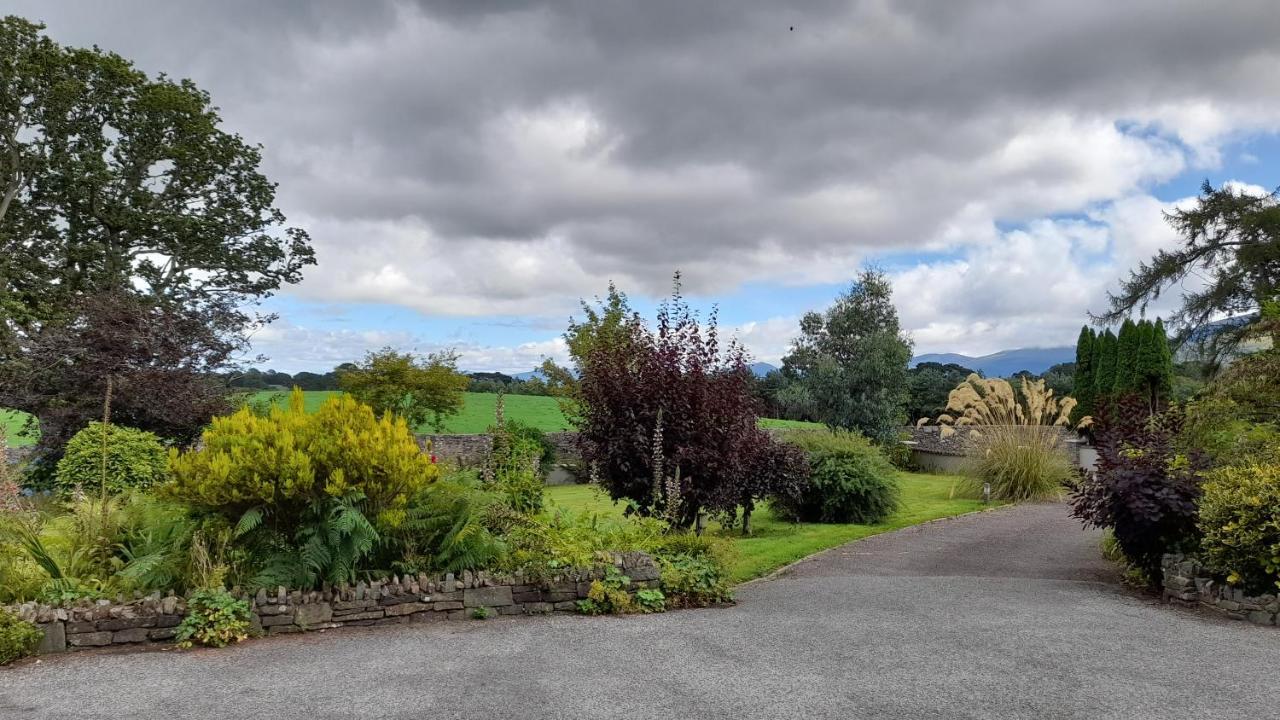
(111,184)
(853,359)
(1230,243)
(424,391)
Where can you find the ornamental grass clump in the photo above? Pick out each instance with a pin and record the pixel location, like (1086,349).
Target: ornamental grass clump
(1027,462)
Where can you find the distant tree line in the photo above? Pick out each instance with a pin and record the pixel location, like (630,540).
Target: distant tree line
(479,382)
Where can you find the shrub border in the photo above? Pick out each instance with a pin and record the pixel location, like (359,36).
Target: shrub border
(154,619)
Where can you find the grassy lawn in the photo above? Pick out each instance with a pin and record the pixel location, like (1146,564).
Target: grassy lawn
(775,543)
(13,422)
(476,415)
(790,424)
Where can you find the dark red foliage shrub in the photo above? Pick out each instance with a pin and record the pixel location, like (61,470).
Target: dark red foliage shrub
(1142,489)
(674,386)
(162,361)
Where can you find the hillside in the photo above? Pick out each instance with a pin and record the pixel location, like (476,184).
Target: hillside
(1005,362)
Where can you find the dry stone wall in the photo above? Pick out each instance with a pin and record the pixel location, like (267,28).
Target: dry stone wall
(397,601)
(1187,582)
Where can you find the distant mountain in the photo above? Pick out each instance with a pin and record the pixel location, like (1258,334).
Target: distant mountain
(1005,362)
(522,377)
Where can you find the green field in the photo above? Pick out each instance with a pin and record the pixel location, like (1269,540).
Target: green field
(13,423)
(476,415)
(774,543)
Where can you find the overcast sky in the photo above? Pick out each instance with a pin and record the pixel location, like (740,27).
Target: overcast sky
(468,169)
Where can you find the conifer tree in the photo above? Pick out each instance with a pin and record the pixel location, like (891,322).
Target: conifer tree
(1105,379)
(1127,370)
(1084,380)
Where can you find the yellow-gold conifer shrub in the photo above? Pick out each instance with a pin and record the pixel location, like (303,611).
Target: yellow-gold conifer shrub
(286,460)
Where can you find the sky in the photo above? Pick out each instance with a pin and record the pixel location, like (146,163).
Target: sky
(468,170)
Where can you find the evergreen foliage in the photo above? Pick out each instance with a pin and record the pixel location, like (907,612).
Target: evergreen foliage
(130,459)
(1083,383)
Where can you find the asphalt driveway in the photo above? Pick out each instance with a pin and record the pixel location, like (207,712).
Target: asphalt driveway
(1006,614)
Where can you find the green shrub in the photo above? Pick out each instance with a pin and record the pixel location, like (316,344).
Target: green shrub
(1020,462)
(1240,517)
(134,459)
(694,581)
(309,495)
(609,595)
(516,464)
(18,638)
(214,619)
(649,600)
(449,528)
(850,481)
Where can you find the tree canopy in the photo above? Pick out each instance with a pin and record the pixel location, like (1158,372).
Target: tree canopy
(112,181)
(853,359)
(422,390)
(1231,245)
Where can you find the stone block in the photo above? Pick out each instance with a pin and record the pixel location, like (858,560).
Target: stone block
(130,635)
(268,621)
(81,626)
(352,605)
(487,597)
(166,621)
(569,605)
(166,633)
(525,597)
(127,623)
(54,639)
(89,639)
(283,629)
(315,614)
(1262,618)
(408,608)
(358,616)
(447,605)
(537,608)
(274,609)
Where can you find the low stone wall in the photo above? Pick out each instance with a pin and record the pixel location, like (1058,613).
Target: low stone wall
(1187,582)
(472,449)
(396,601)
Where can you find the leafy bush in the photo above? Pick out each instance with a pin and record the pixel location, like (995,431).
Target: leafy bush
(850,481)
(1227,433)
(1027,462)
(214,619)
(609,595)
(18,638)
(649,600)
(667,416)
(1240,517)
(134,459)
(1142,488)
(448,529)
(308,494)
(694,580)
(514,465)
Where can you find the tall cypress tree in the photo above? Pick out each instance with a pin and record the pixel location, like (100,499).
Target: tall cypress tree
(1127,359)
(1105,377)
(1165,353)
(1083,382)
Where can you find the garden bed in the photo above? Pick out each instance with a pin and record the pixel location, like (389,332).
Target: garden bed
(397,601)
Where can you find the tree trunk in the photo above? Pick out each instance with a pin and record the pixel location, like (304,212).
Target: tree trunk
(746,519)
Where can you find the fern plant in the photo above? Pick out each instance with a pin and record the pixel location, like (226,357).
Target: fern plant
(447,528)
(330,544)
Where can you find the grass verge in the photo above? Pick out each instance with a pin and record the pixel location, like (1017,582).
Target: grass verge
(775,543)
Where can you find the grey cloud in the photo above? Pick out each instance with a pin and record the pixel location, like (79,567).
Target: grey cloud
(717,138)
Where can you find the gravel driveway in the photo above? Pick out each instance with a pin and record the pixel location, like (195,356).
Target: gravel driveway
(1006,614)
